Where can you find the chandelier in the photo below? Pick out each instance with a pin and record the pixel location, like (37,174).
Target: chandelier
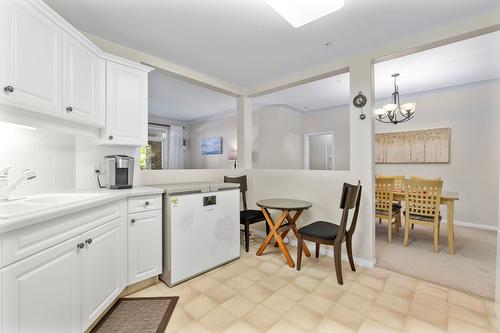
(395,112)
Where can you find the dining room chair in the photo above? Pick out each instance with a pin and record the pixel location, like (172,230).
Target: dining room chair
(422,201)
(424,178)
(247,216)
(399,181)
(328,233)
(385,208)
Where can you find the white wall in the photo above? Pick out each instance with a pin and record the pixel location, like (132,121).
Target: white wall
(472,112)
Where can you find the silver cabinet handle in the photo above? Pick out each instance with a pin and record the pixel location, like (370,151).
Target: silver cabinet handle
(132,220)
(8,89)
(69,109)
(147,203)
(110,137)
(89,241)
(80,246)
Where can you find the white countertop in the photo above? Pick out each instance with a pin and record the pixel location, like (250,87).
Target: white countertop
(193,187)
(48,212)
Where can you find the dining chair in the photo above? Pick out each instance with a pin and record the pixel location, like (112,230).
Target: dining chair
(327,233)
(422,201)
(398,181)
(247,216)
(385,208)
(424,178)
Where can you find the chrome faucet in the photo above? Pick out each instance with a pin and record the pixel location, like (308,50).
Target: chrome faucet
(5,188)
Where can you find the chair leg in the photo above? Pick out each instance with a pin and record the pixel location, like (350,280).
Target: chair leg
(379,221)
(398,222)
(389,230)
(407,231)
(338,264)
(299,252)
(317,250)
(436,237)
(412,225)
(348,244)
(247,237)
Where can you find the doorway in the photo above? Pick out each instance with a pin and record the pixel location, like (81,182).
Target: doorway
(318,154)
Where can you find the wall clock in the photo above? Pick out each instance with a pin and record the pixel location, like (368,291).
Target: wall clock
(359,101)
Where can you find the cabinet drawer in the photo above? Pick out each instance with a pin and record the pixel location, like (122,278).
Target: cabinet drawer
(21,243)
(144,203)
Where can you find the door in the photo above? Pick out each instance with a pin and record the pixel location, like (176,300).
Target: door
(42,293)
(30,59)
(126,105)
(320,152)
(103,275)
(83,84)
(144,245)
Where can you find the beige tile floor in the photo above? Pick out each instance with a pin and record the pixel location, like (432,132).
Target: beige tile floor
(261,294)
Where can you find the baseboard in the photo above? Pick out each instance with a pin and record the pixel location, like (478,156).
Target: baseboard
(325,250)
(473,225)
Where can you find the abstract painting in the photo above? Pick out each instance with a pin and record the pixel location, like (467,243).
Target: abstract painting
(423,146)
(211,146)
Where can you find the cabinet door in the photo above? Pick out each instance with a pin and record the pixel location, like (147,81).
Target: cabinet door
(30,59)
(126,105)
(144,245)
(42,293)
(104,274)
(83,84)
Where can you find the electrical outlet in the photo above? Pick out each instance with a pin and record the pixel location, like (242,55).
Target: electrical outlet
(96,169)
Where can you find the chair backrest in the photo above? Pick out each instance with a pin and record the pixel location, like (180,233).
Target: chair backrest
(399,181)
(351,198)
(423,178)
(384,195)
(423,197)
(242,180)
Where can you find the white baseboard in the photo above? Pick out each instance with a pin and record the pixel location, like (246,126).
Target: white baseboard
(325,250)
(473,225)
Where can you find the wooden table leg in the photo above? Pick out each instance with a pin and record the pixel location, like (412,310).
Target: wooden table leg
(274,233)
(292,221)
(451,230)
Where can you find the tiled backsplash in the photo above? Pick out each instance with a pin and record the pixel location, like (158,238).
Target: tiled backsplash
(50,154)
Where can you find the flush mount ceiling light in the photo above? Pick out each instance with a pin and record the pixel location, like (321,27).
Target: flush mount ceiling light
(300,12)
(390,113)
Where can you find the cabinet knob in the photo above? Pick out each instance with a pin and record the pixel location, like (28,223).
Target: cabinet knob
(132,220)
(80,246)
(110,137)
(89,241)
(69,109)
(8,89)
(147,203)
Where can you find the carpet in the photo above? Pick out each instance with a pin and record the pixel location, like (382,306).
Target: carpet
(132,315)
(471,269)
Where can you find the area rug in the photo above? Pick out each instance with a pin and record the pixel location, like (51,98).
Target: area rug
(132,315)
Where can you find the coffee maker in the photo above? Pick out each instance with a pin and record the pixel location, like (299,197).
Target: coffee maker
(119,171)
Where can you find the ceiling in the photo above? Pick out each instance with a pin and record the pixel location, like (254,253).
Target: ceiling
(245,43)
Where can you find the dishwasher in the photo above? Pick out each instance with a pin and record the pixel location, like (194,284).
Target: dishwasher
(201,229)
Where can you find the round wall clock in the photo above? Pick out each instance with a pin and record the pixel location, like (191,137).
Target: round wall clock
(360,100)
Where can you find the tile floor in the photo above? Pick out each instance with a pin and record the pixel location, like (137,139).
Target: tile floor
(261,294)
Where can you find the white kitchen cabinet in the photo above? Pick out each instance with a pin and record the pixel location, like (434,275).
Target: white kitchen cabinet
(83,83)
(126,105)
(144,245)
(42,293)
(103,269)
(30,58)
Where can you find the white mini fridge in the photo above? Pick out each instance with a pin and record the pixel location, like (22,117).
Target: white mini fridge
(201,230)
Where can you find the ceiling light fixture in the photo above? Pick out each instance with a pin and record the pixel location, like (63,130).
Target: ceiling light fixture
(300,12)
(389,113)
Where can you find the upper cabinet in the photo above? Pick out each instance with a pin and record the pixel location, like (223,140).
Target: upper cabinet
(126,105)
(30,58)
(83,83)
(49,67)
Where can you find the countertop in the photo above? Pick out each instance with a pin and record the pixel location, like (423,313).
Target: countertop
(53,211)
(195,187)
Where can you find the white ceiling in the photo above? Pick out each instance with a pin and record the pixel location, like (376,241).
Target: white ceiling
(246,43)
(175,98)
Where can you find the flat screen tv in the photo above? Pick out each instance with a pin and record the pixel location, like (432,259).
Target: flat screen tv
(211,146)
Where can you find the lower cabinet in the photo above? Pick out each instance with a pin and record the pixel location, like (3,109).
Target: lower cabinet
(42,293)
(144,245)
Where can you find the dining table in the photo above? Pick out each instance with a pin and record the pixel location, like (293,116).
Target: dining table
(290,209)
(447,199)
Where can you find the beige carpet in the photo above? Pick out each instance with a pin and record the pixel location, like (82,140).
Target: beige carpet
(471,269)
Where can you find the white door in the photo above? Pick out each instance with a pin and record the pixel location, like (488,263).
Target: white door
(144,245)
(42,293)
(83,84)
(30,59)
(204,232)
(103,275)
(320,151)
(126,105)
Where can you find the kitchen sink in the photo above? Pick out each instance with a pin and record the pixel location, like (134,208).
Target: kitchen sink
(33,203)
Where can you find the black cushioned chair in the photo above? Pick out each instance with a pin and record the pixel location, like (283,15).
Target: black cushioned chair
(328,233)
(247,216)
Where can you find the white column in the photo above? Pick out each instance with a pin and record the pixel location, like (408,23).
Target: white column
(244,126)
(361,153)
